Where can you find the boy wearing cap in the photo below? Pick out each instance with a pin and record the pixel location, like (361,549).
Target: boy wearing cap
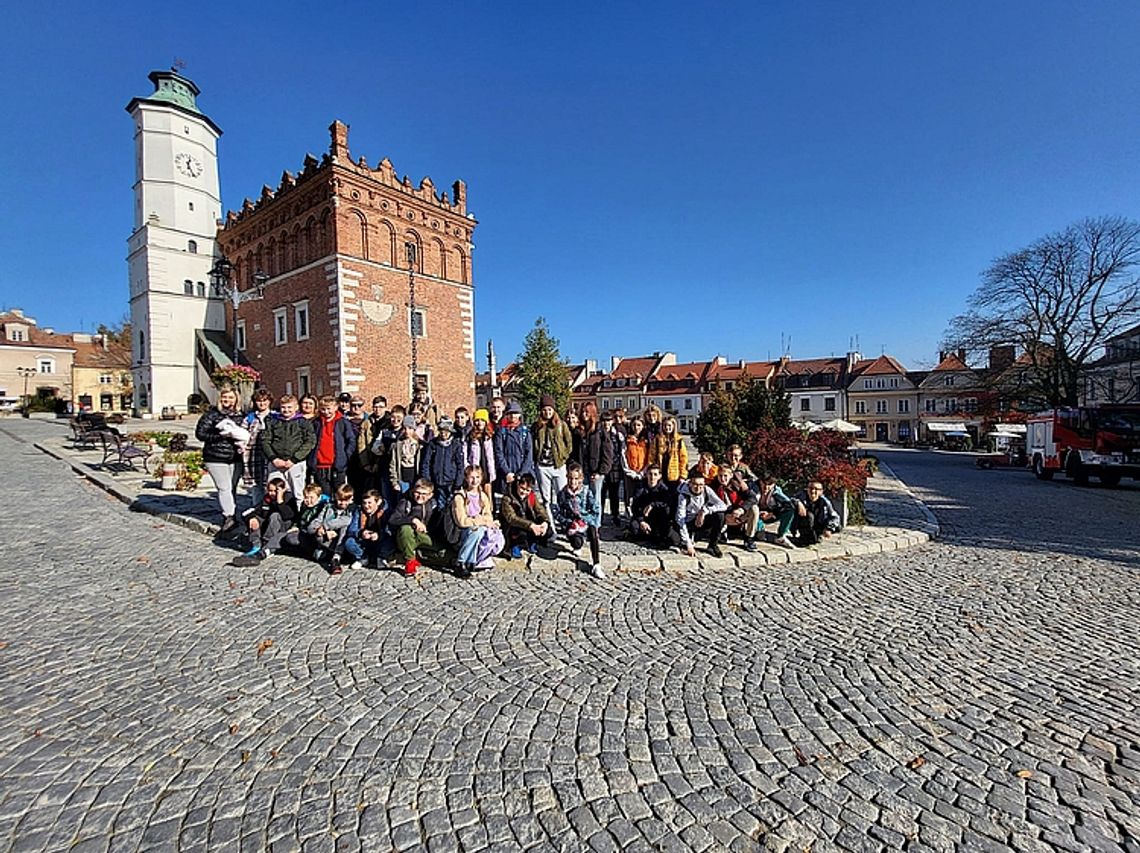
(552,445)
(514,449)
(442,462)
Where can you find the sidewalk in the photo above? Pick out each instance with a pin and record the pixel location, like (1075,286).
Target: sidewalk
(900,520)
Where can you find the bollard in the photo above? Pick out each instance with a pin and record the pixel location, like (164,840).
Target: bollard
(170,476)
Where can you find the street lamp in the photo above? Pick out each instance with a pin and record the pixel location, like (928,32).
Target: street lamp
(410,252)
(223,288)
(26,372)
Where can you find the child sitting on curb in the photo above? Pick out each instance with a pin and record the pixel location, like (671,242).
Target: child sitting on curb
(367,538)
(580,515)
(303,537)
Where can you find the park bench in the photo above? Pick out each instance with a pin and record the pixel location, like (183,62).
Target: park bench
(120,453)
(85,433)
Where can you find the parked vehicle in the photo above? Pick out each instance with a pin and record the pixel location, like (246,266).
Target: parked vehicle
(1101,442)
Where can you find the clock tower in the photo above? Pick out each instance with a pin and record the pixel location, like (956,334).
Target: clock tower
(177,204)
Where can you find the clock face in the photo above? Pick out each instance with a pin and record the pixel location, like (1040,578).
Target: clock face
(188,165)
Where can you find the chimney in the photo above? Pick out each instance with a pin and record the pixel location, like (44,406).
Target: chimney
(615,360)
(962,355)
(941,356)
(853,358)
(591,366)
(1001,357)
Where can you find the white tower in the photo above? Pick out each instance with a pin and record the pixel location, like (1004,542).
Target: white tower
(171,249)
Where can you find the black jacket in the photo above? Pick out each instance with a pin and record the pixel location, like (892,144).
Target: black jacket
(215,446)
(597,453)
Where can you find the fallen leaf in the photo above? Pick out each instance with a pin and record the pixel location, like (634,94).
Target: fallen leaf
(3,645)
(240,600)
(234,728)
(263,645)
(916,762)
(801,756)
(1024,774)
(245,756)
(144,559)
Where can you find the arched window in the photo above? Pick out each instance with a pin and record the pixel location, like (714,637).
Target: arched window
(192,247)
(362,223)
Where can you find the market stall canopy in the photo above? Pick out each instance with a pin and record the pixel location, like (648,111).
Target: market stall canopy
(1010,429)
(840,425)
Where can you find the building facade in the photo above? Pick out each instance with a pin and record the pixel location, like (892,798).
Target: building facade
(676,389)
(34,361)
(1115,377)
(369,281)
(882,400)
(177,203)
(816,386)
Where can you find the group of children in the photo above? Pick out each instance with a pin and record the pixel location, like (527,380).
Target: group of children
(409,484)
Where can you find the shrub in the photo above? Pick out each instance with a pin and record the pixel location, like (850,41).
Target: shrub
(796,458)
(191,468)
(732,416)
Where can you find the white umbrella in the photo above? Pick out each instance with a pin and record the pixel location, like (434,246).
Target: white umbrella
(840,425)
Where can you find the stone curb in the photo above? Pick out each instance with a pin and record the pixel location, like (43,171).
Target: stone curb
(853,542)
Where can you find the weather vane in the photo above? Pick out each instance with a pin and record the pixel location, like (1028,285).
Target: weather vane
(179,64)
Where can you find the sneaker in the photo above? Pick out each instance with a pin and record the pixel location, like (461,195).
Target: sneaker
(714,549)
(516,552)
(335,567)
(356,565)
(252,552)
(597,572)
(532,547)
(463,571)
(785,542)
(245,560)
(319,554)
(750,545)
(411,567)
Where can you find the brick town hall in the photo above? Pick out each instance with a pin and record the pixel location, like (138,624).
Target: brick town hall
(364,279)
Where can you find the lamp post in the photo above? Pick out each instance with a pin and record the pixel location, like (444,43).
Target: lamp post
(26,372)
(220,276)
(410,250)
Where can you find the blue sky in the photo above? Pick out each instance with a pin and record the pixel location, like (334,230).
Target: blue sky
(706,178)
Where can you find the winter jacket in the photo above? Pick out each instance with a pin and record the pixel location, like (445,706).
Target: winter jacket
(636,456)
(309,518)
(521,513)
(775,503)
(460,516)
(361,521)
(215,446)
(443,464)
(482,453)
(597,453)
(343,438)
(374,444)
(691,504)
(558,434)
(394,465)
(292,440)
(821,512)
(407,509)
(514,451)
(673,457)
(660,496)
(571,507)
(735,498)
(617,452)
(286,509)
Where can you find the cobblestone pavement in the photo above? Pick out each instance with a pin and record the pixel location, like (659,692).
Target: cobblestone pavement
(976,693)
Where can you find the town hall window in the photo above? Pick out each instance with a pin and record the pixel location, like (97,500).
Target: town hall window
(418,327)
(280,326)
(301,320)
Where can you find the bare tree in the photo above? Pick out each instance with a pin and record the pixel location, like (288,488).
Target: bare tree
(1056,301)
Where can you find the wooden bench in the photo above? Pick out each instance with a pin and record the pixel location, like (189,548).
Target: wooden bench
(85,434)
(119,453)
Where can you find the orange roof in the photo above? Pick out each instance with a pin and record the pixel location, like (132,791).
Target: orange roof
(691,370)
(951,364)
(755,369)
(116,356)
(878,366)
(639,368)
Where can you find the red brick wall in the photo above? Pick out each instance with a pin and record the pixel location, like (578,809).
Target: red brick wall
(343,227)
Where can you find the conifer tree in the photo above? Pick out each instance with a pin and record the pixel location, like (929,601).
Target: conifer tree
(541,370)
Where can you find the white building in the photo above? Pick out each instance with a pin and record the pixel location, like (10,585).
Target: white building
(171,249)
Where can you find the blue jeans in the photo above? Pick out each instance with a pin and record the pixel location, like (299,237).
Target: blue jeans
(469,544)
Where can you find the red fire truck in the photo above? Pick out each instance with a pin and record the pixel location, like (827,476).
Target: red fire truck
(1101,442)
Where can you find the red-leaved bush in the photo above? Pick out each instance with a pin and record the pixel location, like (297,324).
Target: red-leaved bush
(796,458)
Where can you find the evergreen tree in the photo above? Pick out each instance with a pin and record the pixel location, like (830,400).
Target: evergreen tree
(541,370)
(732,416)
